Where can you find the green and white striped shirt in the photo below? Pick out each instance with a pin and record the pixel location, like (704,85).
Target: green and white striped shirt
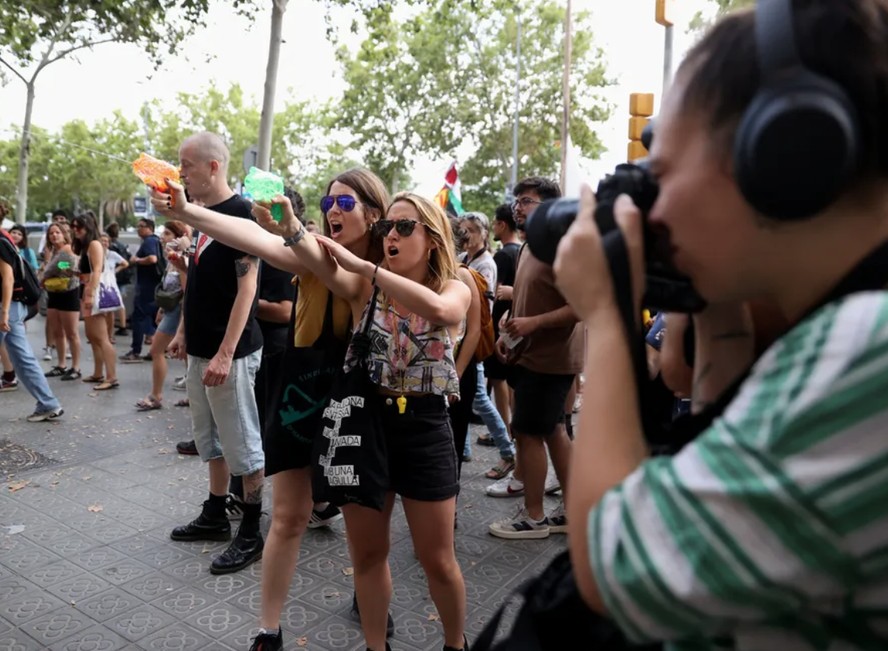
(770,531)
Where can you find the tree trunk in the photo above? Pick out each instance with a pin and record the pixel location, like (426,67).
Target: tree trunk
(21,192)
(101,216)
(271,70)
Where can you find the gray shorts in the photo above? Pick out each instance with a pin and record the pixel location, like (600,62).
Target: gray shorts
(224,419)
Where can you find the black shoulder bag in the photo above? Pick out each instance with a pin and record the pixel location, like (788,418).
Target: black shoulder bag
(307,375)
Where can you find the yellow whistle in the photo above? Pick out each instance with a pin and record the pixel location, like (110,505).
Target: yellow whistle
(402,404)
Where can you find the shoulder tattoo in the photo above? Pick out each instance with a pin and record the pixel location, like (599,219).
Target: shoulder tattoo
(243,265)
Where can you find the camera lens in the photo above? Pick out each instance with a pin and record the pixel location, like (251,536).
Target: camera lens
(547,225)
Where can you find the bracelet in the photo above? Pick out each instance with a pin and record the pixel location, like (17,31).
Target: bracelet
(375,269)
(293,240)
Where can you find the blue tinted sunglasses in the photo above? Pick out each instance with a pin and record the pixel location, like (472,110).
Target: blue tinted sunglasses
(346,202)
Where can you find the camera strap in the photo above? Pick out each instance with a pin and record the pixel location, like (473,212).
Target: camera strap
(621,276)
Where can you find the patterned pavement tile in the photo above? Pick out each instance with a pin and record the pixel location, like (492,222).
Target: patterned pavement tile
(94,638)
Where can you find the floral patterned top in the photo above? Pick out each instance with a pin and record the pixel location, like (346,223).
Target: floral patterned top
(407,353)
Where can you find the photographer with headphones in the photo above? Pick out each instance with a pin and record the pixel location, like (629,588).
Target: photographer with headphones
(770,529)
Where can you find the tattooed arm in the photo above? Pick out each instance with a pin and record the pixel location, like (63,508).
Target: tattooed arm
(247,270)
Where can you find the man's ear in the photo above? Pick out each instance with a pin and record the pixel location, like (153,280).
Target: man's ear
(214,166)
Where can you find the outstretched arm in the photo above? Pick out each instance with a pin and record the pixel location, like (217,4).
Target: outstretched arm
(446,308)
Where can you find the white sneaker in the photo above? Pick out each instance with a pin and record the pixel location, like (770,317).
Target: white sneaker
(47,354)
(179,383)
(557,520)
(521,527)
(508,486)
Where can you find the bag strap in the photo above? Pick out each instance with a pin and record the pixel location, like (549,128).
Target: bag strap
(618,260)
(371,310)
(291,327)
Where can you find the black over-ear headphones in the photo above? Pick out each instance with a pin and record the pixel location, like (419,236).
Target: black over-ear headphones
(798,143)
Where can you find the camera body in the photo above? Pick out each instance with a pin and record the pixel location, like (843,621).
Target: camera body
(665,288)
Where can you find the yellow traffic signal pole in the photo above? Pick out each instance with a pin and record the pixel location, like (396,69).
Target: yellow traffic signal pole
(664,15)
(641,108)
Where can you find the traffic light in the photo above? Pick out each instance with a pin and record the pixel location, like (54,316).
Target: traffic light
(641,108)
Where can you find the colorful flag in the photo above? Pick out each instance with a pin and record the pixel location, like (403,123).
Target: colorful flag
(450,197)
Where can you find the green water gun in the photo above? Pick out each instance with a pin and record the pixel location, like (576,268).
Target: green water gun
(265,186)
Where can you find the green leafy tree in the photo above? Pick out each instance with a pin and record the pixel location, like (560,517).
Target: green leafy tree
(444,77)
(301,143)
(36,33)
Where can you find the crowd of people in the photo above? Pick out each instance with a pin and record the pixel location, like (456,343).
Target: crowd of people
(763,523)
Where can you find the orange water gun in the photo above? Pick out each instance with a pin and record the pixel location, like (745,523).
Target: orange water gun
(155,172)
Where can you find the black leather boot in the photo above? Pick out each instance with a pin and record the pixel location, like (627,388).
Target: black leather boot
(206,526)
(246,548)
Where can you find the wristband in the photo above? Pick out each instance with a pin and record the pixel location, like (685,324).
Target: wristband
(375,269)
(293,240)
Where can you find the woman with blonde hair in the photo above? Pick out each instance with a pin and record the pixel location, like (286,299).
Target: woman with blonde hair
(417,305)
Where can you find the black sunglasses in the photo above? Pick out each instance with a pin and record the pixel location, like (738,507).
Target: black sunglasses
(404,227)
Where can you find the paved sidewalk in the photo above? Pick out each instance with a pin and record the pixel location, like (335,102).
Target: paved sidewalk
(87,504)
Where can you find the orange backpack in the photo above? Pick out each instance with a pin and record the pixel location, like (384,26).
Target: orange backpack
(487,342)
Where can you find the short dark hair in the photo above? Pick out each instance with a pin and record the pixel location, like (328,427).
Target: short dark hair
(296,201)
(149,223)
(58,212)
(113,230)
(504,214)
(842,41)
(545,188)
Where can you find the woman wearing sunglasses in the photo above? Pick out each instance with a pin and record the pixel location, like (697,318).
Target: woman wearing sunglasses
(87,245)
(419,310)
(354,201)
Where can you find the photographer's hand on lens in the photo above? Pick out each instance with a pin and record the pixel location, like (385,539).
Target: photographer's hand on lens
(289,224)
(581,267)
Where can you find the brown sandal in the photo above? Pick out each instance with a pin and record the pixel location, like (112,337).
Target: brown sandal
(148,404)
(503,468)
(107,384)
(94,379)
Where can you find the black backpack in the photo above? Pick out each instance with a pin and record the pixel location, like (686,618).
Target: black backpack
(26,288)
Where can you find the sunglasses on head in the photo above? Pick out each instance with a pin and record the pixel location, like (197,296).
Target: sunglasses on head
(346,202)
(404,227)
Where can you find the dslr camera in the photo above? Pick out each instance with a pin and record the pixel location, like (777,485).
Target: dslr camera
(665,288)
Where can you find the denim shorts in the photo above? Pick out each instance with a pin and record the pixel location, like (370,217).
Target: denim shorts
(224,419)
(169,323)
(421,453)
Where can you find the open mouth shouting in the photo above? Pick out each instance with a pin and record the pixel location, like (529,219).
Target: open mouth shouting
(391,251)
(335,229)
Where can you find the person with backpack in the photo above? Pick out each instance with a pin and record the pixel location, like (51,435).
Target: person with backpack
(18,291)
(769,529)
(150,266)
(475,229)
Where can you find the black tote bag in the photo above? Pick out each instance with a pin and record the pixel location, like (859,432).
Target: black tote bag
(307,375)
(349,459)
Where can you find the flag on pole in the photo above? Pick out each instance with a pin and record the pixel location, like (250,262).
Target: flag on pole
(450,196)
